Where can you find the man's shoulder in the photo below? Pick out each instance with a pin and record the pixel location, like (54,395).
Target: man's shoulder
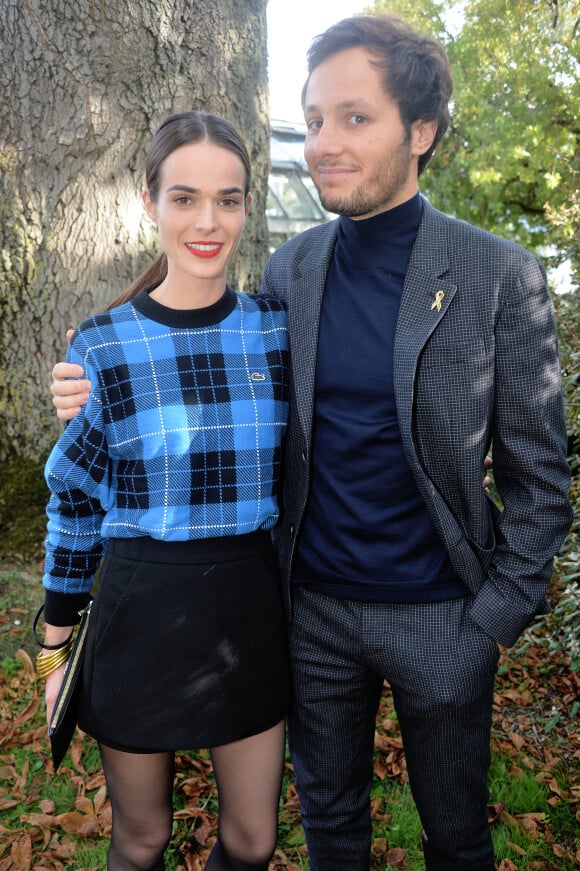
(437,225)
(314,241)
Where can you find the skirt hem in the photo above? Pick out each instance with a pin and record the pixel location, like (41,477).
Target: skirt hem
(189,745)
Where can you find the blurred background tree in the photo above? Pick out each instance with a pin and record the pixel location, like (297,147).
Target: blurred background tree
(83,86)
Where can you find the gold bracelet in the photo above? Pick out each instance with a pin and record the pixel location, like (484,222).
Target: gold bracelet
(47,663)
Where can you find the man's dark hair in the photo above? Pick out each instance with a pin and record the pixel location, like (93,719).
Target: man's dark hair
(415,68)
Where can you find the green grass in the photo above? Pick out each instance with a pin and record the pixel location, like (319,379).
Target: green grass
(563,823)
(403,828)
(94,858)
(517,788)
(23,498)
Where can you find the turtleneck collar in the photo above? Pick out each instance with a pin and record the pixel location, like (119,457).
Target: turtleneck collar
(396,226)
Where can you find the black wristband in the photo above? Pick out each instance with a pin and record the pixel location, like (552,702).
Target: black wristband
(41,643)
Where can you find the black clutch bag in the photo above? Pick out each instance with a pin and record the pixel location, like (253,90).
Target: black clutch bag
(65,712)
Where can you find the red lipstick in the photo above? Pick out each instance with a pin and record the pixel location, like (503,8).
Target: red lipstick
(205,250)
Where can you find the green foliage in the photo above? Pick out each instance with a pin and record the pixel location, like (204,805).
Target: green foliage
(567,308)
(528,825)
(511,160)
(559,630)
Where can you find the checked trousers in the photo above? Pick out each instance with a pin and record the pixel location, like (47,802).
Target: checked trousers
(441,667)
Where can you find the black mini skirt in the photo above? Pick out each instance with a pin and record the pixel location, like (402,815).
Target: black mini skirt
(187,644)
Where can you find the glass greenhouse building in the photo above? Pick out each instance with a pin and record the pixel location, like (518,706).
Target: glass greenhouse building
(293,203)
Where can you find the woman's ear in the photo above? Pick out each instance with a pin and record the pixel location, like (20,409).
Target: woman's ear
(248,202)
(149,206)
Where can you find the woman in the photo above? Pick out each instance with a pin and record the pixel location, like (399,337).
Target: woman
(171,472)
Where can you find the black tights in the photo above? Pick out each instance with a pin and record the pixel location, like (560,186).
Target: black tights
(140,787)
(248,775)
(219,860)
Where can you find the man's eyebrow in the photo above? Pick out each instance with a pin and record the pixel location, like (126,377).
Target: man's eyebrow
(189,190)
(345,105)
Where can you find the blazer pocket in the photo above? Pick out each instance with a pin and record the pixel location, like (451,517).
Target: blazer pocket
(459,349)
(470,559)
(454,398)
(484,554)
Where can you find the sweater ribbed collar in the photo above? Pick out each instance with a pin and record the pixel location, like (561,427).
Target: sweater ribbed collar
(186,319)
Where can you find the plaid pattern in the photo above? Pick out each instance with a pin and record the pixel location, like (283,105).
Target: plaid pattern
(181,436)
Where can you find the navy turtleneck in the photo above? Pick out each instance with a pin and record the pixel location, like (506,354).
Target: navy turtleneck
(367,534)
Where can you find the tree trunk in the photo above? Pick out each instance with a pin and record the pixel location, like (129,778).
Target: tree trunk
(83,87)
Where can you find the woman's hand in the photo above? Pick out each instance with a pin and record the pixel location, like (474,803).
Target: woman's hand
(55,638)
(487,481)
(69,395)
(51,690)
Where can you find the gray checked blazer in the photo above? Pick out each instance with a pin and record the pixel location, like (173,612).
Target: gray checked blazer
(475,363)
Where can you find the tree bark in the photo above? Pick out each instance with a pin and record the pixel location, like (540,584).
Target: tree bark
(83,86)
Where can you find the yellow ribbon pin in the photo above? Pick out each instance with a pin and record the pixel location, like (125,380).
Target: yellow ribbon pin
(439,296)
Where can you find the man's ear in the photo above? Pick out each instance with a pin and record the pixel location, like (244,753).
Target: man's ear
(149,206)
(423,135)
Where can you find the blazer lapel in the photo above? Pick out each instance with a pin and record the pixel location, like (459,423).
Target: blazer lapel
(304,306)
(426,298)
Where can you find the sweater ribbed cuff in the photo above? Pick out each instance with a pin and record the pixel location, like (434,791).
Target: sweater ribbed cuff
(62,609)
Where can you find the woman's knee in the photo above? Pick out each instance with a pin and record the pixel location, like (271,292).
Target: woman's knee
(254,847)
(143,848)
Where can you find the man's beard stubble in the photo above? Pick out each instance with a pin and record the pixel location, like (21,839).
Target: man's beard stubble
(390,178)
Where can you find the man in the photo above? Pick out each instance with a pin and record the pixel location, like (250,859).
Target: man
(417,341)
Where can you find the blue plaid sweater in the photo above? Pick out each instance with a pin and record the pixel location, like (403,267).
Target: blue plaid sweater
(180,439)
